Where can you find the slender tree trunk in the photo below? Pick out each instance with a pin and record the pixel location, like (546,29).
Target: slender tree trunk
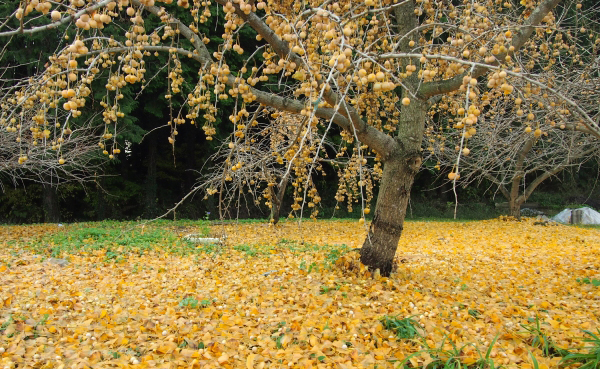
(101,202)
(191,135)
(50,204)
(399,172)
(277,200)
(150,185)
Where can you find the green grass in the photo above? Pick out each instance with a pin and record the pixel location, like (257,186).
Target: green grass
(120,238)
(539,339)
(594,282)
(453,358)
(403,328)
(250,250)
(589,359)
(193,303)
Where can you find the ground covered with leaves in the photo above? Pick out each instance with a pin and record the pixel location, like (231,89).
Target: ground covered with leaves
(483,294)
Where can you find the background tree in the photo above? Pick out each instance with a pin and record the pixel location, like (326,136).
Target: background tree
(375,69)
(521,145)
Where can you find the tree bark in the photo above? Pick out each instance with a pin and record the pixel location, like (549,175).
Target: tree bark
(50,204)
(399,172)
(514,208)
(277,200)
(386,228)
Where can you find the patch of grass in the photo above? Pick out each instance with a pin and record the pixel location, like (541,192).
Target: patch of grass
(589,359)
(594,282)
(119,239)
(334,254)
(405,328)
(279,341)
(7,323)
(308,268)
(193,303)
(286,243)
(454,358)
(246,249)
(540,340)
(189,302)
(474,313)
(326,289)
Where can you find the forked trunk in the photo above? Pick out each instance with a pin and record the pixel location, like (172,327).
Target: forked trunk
(275,208)
(277,200)
(514,209)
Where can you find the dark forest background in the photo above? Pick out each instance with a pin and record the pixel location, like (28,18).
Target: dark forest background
(149,176)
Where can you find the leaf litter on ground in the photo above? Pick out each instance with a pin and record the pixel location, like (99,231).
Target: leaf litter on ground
(477,294)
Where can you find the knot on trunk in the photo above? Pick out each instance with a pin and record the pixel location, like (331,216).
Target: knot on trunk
(413,160)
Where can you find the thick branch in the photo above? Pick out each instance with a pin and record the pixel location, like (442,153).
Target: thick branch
(203,54)
(375,139)
(591,126)
(537,15)
(539,179)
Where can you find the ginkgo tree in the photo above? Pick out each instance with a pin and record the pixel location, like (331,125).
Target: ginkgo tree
(379,71)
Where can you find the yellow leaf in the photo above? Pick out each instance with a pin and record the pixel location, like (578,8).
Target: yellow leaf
(103,313)
(223,358)
(95,357)
(250,361)
(469,360)
(187,353)
(166,348)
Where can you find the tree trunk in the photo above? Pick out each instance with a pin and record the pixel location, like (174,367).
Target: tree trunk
(386,228)
(399,172)
(274,216)
(50,204)
(191,176)
(100,202)
(514,208)
(150,185)
(277,200)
